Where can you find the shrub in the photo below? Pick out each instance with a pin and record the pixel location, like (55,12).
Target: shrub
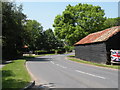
(68,48)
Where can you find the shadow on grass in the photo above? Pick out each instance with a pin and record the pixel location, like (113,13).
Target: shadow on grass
(8,83)
(12,83)
(7,73)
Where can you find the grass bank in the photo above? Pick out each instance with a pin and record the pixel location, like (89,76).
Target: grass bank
(72,58)
(15,75)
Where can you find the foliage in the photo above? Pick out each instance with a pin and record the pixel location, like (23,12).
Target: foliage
(117,21)
(78,21)
(33,34)
(110,22)
(15,75)
(37,39)
(50,41)
(12,30)
(19,32)
(68,48)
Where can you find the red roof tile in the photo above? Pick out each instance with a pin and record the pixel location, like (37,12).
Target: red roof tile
(99,36)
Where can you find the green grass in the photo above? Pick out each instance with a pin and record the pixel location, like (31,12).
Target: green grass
(15,75)
(72,58)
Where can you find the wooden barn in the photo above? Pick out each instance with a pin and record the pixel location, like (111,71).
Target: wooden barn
(96,46)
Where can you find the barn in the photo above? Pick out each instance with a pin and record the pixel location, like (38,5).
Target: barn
(96,46)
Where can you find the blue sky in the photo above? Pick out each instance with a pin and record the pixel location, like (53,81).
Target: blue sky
(45,12)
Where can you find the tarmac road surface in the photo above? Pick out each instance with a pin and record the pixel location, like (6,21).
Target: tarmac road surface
(55,71)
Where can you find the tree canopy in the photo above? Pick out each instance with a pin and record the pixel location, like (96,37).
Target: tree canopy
(78,21)
(12,29)
(18,32)
(110,22)
(50,41)
(32,33)
(38,39)
(73,24)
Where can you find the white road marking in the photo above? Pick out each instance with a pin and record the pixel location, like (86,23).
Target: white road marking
(63,66)
(57,64)
(90,74)
(80,71)
(52,62)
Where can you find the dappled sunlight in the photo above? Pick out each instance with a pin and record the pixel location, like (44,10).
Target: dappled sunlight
(9,82)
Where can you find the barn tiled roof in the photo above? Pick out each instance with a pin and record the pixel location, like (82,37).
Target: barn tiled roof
(99,36)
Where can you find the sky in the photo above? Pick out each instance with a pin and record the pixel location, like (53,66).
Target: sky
(45,12)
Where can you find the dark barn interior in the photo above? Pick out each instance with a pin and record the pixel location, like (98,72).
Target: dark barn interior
(112,43)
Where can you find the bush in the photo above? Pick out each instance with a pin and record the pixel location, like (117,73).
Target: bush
(44,52)
(61,50)
(68,48)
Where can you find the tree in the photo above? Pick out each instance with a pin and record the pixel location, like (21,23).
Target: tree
(12,28)
(117,21)
(33,34)
(110,22)
(78,21)
(50,41)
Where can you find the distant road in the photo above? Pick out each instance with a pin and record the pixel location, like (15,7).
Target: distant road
(55,71)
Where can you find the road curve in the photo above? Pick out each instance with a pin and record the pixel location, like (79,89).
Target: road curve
(55,71)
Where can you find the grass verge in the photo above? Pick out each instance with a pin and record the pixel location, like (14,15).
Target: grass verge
(72,58)
(15,75)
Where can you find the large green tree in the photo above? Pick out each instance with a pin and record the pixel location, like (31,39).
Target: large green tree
(78,21)
(33,34)
(12,28)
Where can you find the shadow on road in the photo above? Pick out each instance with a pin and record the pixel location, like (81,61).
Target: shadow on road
(38,59)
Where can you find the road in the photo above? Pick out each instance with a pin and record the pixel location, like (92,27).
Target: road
(55,71)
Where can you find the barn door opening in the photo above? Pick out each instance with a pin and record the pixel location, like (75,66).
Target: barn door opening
(108,62)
